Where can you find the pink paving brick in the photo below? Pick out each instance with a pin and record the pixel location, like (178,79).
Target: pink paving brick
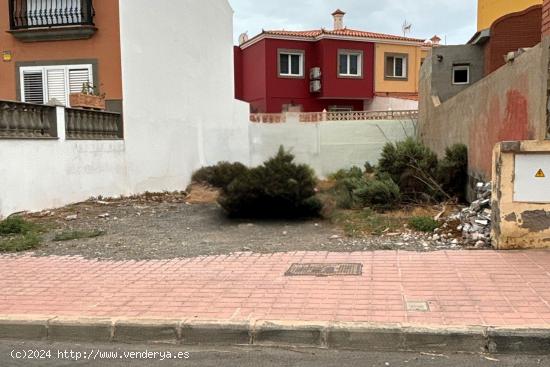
(461,288)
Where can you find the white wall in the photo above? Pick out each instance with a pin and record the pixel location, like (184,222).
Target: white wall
(40,174)
(179,114)
(179,106)
(328,146)
(390,104)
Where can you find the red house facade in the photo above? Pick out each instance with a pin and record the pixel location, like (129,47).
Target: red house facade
(307,71)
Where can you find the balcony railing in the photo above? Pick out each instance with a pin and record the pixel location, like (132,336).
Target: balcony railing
(27,121)
(26,14)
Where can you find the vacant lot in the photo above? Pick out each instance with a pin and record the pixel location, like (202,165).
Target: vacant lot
(164,226)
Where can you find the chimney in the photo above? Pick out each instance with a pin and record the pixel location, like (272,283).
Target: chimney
(338,16)
(546,18)
(435,40)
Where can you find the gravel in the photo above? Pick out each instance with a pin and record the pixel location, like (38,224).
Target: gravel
(165,229)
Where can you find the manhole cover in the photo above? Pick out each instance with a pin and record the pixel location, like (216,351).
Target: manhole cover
(324,270)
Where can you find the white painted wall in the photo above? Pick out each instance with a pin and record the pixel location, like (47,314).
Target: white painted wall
(328,146)
(179,106)
(40,174)
(179,114)
(390,104)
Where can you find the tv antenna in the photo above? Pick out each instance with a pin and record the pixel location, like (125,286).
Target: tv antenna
(407,28)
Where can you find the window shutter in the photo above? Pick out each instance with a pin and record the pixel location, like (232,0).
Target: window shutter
(33,87)
(56,85)
(77,78)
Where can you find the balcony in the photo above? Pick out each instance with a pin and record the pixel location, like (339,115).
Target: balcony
(51,20)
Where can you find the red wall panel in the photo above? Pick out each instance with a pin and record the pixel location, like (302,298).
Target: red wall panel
(257,80)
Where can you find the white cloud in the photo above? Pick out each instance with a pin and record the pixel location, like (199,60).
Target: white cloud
(453,20)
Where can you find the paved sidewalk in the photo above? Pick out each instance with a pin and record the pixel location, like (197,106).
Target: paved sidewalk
(478,288)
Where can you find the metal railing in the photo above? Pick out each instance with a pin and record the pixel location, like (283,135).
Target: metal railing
(313,117)
(26,14)
(27,121)
(93,125)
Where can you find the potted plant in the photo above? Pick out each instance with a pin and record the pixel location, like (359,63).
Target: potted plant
(89,97)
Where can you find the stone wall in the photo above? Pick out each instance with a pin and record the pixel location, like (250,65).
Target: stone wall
(509,104)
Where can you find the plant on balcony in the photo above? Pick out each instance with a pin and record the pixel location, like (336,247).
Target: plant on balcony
(89,97)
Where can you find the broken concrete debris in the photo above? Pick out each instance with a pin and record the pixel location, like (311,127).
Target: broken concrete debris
(476,219)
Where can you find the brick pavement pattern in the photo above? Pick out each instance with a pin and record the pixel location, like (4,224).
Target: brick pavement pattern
(485,288)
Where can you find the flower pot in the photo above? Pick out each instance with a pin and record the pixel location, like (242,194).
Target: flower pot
(81,100)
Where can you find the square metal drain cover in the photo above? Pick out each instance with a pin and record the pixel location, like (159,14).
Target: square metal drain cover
(324,270)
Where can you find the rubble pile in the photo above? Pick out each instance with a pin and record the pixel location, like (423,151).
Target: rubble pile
(476,219)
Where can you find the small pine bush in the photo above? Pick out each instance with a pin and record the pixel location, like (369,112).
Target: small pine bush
(279,188)
(424,224)
(402,161)
(220,175)
(453,171)
(379,194)
(353,172)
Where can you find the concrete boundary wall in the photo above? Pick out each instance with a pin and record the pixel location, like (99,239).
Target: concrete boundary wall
(46,173)
(509,104)
(328,146)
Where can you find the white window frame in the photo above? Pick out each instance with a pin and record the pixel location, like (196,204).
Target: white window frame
(459,68)
(290,53)
(44,71)
(405,60)
(349,53)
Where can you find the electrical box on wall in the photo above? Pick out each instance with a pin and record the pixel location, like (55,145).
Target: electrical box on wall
(532,178)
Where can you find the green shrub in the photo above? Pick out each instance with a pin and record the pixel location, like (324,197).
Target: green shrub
(453,171)
(19,243)
(424,224)
(344,190)
(277,189)
(343,174)
(16,225)
(405,162)
(381,194)
(369,168)
(220,175)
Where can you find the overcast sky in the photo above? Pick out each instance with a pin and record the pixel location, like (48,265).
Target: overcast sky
(454,20)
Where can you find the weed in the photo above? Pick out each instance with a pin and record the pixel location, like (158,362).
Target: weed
(424,224)
(75,235)
(357,223)
(16,225)
(19,243)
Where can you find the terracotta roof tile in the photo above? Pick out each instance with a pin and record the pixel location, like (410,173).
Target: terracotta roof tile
(346,32)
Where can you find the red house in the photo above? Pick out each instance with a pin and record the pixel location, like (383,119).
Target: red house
(307,71)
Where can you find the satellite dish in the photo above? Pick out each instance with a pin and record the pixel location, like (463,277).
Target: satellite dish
(243,38)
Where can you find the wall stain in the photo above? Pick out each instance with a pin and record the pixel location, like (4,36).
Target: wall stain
(536,220)
(512,217)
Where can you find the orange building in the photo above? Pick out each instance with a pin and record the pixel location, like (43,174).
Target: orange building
(52,48)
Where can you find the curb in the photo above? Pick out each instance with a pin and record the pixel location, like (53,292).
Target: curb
(354,336)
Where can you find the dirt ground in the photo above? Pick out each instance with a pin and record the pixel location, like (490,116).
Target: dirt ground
(165,226)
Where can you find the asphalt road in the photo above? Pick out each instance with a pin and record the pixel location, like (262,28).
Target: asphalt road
(12,354)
